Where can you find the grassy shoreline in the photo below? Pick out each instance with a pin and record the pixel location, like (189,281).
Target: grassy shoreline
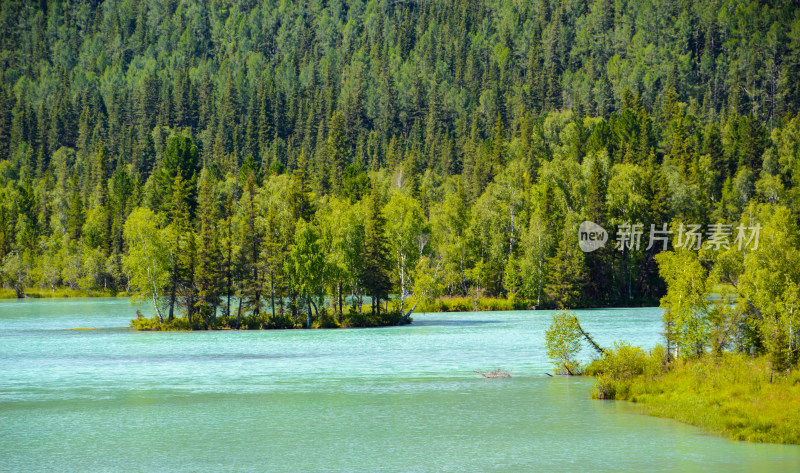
(441,304)
(728,395)
(59,293)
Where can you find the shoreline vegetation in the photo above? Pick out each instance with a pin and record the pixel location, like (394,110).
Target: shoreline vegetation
(735,395)
(730,362)
(60,293)
(732,395)
(439,304)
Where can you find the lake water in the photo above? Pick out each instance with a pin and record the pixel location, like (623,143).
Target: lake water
(389,399)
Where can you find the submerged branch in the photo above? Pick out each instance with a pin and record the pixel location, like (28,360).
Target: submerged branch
(497,373)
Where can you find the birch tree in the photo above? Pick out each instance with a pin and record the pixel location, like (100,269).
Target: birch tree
(147,262)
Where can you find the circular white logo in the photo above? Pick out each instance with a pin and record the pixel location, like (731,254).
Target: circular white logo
(591,236)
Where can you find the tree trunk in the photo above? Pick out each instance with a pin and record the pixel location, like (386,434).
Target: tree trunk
(158,311)
(600,350)
(239,313)
(339,297)
(402,286)
(272,293)
(172,301)
(404,319)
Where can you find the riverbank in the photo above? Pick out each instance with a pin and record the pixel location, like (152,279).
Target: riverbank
(499,304)
(729,395)
(58,293)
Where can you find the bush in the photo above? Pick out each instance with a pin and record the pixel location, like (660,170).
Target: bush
(626,361)
(325,320)
(620,365)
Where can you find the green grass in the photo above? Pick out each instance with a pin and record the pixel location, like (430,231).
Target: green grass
(468,304)
(60,292)
(729,395)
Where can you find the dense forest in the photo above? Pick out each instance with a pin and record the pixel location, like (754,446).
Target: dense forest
(303,163)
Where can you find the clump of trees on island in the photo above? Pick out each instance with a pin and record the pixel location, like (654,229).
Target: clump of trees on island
(256,165)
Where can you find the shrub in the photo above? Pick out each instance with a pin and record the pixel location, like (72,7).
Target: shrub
(620,365)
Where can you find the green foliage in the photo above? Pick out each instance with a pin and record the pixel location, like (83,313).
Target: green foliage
(619,366)
(181,161)
(148,257)
(567,272)
(687,302)
(563,342)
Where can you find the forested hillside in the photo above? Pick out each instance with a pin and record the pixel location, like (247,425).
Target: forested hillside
(298,156)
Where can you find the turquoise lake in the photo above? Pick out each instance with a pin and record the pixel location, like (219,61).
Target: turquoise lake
(389,399)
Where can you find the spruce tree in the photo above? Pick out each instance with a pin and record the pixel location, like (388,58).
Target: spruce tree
(250,242)
(181,158)
(179,226)
(567,271)
(375,278)
(337,152)
(209,271)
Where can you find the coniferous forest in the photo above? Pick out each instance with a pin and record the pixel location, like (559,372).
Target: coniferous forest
(279,164)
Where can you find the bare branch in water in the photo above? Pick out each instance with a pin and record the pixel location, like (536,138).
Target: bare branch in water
(498,373)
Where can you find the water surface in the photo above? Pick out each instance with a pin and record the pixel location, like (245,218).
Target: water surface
(388,399)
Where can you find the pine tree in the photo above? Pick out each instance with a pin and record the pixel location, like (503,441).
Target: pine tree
(6,107)
(209,272)
(250,243)
(598,262)
(567,272)
(338,151)
(228,252)
(375,278)
(75,217)
(179,223)
(301,205)
(189,266)
(181,158)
